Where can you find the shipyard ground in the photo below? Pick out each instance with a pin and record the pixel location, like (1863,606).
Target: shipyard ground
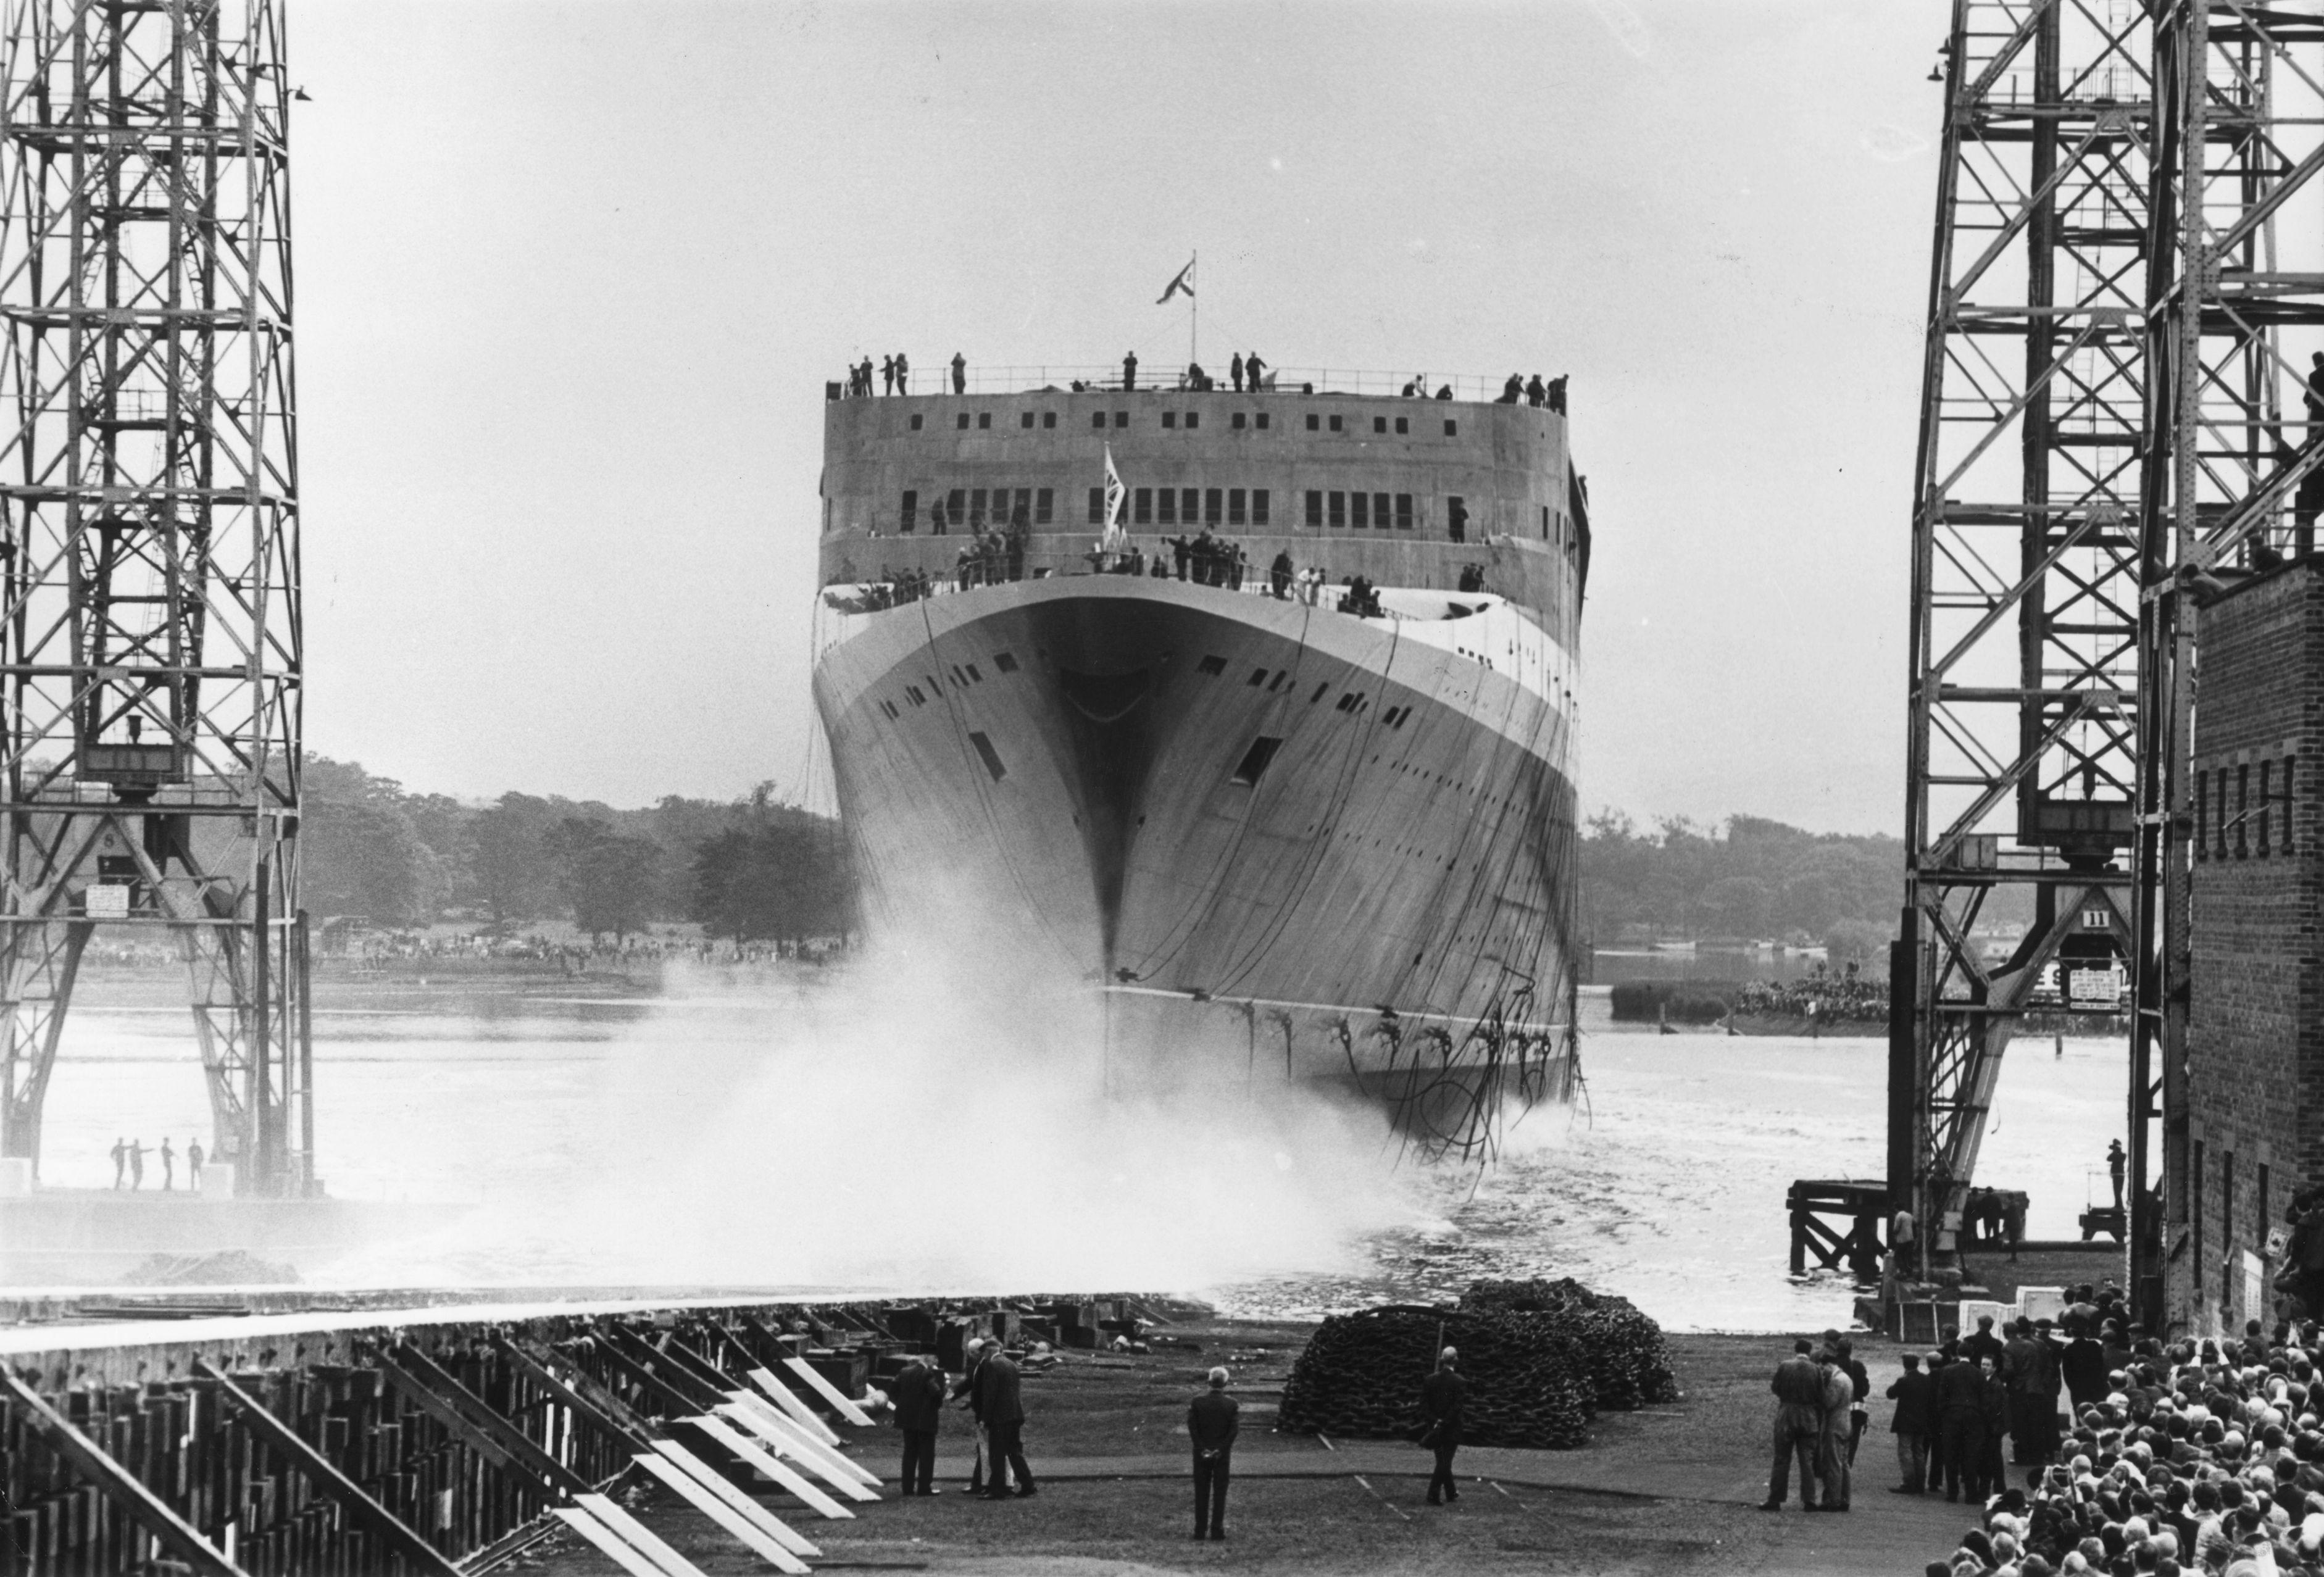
(1671,1489)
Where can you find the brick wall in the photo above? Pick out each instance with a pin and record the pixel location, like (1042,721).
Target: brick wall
(2255,1015)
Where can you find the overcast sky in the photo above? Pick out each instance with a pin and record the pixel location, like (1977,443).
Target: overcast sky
(570,278)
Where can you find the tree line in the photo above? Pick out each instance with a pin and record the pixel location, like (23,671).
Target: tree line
(1755,879)
(753,868)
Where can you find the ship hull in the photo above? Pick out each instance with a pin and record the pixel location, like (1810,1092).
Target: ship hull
(1348,853)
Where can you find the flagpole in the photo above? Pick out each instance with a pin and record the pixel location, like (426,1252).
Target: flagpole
(1194,313)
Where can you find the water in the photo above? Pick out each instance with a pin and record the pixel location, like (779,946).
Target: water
(763,1138)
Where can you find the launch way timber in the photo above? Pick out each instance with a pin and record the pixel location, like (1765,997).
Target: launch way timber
(1251,705)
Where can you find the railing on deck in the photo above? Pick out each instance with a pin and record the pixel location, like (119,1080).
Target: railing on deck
(935,378)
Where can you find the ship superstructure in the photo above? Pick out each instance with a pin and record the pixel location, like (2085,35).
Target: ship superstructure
(1293,740)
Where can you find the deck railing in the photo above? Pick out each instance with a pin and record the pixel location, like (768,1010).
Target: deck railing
(927,378)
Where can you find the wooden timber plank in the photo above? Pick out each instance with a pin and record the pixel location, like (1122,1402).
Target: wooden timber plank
(830,1393)
(468,1434)
(606,1510)
(657,1372)
(764,1461)
(718,1484)
(760,1417)
(789,1401)
(150,1512)
(615,1548)
(350,1496)
(479,1412)
(582,1394)
(719,1512)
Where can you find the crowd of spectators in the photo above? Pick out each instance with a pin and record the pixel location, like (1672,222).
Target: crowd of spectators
(2195,1455)
(1827,997)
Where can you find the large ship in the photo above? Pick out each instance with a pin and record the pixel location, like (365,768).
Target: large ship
(1252,714)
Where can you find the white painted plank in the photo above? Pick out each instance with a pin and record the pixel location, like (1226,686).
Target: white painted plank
(718,1484)
(789,1440)
(615,1548)
(829,1392)
(765,1461)
(607,1511)
(787,1400)
(724,1515)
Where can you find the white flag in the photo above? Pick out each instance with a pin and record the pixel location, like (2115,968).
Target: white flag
(1115,539)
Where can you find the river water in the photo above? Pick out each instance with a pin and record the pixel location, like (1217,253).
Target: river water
(789,1135)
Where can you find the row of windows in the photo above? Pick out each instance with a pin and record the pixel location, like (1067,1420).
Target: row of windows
(974,509)
(2232,823)
(1238,420)
(2260,1222)
(1190,506)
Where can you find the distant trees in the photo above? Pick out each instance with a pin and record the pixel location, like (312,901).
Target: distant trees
(1757,880)
(752,869)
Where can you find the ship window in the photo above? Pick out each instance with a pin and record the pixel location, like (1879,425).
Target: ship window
(1320,691)
(1456,518)
(1141,506)
(1404,511)
(955,505)
(916,421)
(1097,506)
(1313,422)
(1169,500)
(1262,421)
(1275,683)
(1097,419)
(1122,418)
(1379,424)
(1362,516)
(1170,418)
(1211,665)
(1347,701)
(992,757)
(1544,519)
(2266,794)
(913,693)
(1258,677)
(1404,424)
(2202,814)
(1194,419)
(1335,423)
(976,508)
(1259,506)
(1379,511)
(1004,662)
(1314,508)
(963,421)
(1452,428)
(908,515)
(1048,419)
(958,682)
(1212,499)
(1253,765)
(1190,504)
(1024,502)
(1338,509)
(983,419)
(2286,791)
(1045,506)
(1236,499)
(2242,805)
(889,709)
(973,675)
(1236,421)
(1024,419)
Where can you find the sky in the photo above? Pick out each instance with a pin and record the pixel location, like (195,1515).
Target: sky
(571,276)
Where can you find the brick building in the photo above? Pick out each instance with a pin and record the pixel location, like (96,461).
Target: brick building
(2255,1092)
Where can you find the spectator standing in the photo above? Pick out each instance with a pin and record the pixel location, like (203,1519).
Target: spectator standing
(1914,1393)
(1983,1343)
(169,1167)
(1837,1396)
(1211,1425)
(1002,1403)
(1557,393)
(903,374)
(1442,1396)
(136,1164)
(959,374)
(1535,394)
(2083,1367)
(1130,370)
(1901,1230)
(964,1389)
(1234,372)
(2116,1161)
(194,1164)
(1279,575)
(120,1160)
(918,1393)
(1251,367)
(887,374)
(1992,1475)
(1960,1424)
(1799,1424)
(1859,1411)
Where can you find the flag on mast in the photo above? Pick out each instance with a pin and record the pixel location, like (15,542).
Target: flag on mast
(1116,540)
(1185,281)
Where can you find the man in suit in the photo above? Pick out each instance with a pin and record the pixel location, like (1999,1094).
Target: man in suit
(1798,1386)
(965,1390)
(1960,1421)
(1442,1396)
(918,1393)
(1211,1425)
(1002,1406)
(1913,1422)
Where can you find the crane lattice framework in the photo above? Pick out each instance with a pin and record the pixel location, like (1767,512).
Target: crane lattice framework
(2129,257)
(150,643)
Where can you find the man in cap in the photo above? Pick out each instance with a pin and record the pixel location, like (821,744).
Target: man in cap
(1211,1425)
(1442,1397)
(918,1394)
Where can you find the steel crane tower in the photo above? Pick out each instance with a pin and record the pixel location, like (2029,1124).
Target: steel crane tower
(150,643)
(2127,259)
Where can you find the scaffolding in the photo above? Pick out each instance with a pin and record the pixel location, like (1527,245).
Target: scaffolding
(150,643)
(2114,301)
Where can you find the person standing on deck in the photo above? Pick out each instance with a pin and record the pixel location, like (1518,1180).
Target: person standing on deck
(919,1396)
(1442,1396)
(169,1165)
(136,1164)
(1212,1425)
(1234,372)
(194,1164)
(2117,1164)
(959,374)
(120,1160)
